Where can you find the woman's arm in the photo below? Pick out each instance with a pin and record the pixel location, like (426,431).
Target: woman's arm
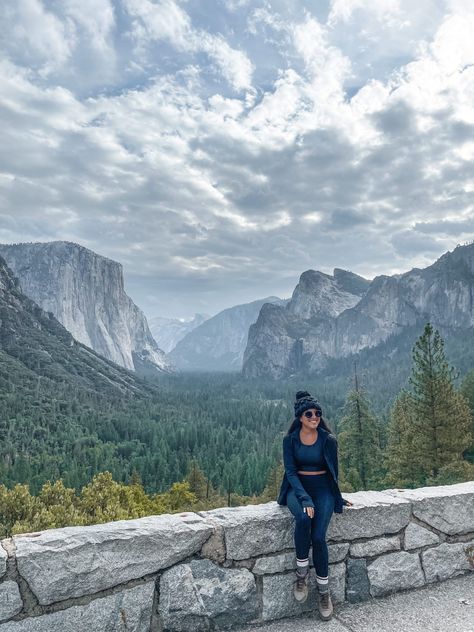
(292,476)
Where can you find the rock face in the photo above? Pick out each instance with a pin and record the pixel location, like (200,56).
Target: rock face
(121,612)
(335,316)
(39,345)
(219,343)
(85,292)
(10,600)
(169,331)
(194,595)
(288,338)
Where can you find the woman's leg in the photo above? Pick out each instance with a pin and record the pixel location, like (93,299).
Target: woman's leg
(324,507)
(302,528)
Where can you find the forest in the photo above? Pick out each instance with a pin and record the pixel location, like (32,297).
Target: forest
(202,440)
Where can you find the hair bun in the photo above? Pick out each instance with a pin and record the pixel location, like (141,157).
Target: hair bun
(302,395)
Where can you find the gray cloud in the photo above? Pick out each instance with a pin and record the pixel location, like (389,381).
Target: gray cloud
(218,160)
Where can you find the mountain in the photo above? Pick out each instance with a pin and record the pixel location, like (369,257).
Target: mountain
(85,292)
(319,323)
(218,344)
(169,331)
(37,351)
(284,335)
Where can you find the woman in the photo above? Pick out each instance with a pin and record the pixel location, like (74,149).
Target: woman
(310,490)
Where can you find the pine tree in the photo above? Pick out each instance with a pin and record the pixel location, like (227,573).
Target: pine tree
(198,483)
(467,389)
(402,469)
(441,414)
(359,445)
(273,483)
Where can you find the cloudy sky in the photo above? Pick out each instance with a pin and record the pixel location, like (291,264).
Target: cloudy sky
(219,148)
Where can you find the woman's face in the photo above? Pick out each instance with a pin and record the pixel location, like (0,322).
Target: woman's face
(310,422)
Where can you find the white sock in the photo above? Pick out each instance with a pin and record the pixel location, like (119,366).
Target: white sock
(302,566)
(322,583)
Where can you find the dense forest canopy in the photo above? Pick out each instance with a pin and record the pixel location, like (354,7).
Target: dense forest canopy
(231,426)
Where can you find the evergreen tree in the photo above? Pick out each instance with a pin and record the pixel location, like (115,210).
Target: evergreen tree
(198,483)
(467,389)
(402,469)
(272,487)
(441,414)
(359,441)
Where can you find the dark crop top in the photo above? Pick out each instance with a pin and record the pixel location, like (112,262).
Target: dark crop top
(310,458)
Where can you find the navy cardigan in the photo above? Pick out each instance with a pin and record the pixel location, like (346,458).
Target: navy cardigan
(291,478)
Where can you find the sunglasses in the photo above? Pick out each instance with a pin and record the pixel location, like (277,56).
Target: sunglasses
(310,415)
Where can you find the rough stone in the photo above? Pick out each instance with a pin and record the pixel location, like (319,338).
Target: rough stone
(447,560)
(3,561)
(337,582)
(76,561)
(375,547)
(278,600)
(201,595)
(337,552)
(447,508)
(395,571)
(254,530)
(358,587)
(287,561)
(10,600)
(214,548)
(373,514)
(417,536)
(274,564)
(126,611)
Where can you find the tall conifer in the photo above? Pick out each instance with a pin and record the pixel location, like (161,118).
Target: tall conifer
(359,445)
(441,414)
(402,469)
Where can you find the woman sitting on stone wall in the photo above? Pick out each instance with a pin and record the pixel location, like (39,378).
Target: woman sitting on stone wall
(310,490)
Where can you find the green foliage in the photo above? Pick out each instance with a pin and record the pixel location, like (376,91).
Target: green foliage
(220,434)
(467,389)
(359,443)
(431,426)
(403,470)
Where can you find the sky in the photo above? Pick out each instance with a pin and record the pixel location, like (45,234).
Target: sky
(220,148)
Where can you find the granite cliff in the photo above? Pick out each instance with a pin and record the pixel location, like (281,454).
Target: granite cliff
(37,351)
(319,322)
(218,343)
(85,292)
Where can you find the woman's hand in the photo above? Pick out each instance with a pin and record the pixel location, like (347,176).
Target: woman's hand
(348,503)
(309,511)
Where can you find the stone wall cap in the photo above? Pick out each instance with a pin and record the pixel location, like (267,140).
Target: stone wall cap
(370,498)
(435,491)
(103,529)
(75,561)
(237,514)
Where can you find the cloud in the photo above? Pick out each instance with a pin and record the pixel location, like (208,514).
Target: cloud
(36,36)
(217,160)
(166,20)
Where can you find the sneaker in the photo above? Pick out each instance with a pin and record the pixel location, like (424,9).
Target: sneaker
(325,605)
(300,587)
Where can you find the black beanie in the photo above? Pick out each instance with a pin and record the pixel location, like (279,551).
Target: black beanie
(304,401)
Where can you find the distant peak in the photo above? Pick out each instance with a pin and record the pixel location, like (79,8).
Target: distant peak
(314,275)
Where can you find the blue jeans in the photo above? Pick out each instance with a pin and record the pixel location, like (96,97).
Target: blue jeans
(313,530)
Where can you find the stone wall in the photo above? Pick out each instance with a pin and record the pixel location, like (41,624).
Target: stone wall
(222,568)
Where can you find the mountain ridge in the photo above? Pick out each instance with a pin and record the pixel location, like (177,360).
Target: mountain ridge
(298,341)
